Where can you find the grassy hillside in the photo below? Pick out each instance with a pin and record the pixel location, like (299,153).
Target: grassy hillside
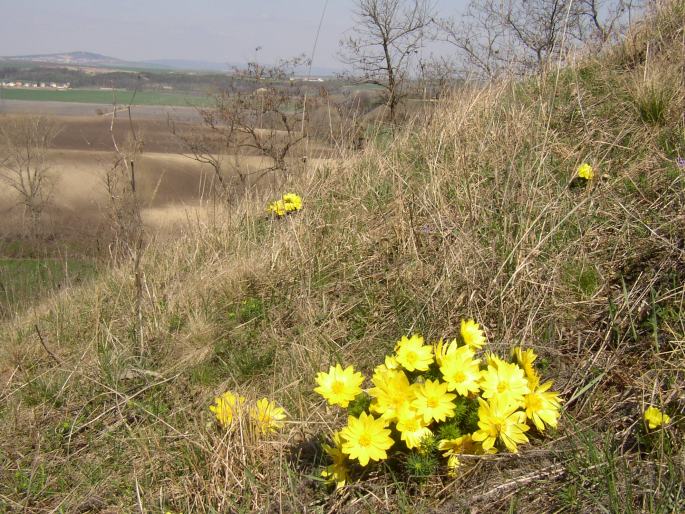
(474,212)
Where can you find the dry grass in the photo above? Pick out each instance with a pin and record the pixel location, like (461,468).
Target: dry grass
(474,213)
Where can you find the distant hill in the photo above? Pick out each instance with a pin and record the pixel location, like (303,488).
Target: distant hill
(90,59)
(70,58)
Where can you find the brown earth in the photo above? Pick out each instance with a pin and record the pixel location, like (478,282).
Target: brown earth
(172,187)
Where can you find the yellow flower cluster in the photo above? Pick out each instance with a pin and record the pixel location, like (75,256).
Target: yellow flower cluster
(265,415)
(585,171)
(441,396)
(289,202)
(656,418)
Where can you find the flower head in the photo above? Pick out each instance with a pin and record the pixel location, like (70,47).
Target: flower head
(472,334)
(278,208)
(506,382)
(224,407)
(502,421)
(460,370)
(366,438)
(391,393)
(339,386)
(289,202)
(585,171)
(525,359)
(412,354)
(267,416)
(292,202)
(336,472)
(655,418)
(412,428)
(542,407)
(433,401)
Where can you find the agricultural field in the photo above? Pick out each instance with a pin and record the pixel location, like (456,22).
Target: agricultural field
(96,96)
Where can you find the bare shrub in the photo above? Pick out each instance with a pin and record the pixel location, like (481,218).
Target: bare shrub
(24,164)
(267,119)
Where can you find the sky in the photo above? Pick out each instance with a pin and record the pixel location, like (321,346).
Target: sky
(226,31)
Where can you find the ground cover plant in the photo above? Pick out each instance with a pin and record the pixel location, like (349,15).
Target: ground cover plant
(484,211)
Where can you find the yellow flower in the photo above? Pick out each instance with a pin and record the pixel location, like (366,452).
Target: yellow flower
(412,354)
(392,391)
(337,472)
(278,208)
(389,364)
(433,401)
(585,171)
(472,334)
(525,359)
(506,382)
(224,407)
(492,360)
(543,407)
(366,438)
(655,418)
(440,349)
(412,428)
(268,416)
(292,202)
(460,370)
(339,386)
(452,466)
(503,421)
(464,445)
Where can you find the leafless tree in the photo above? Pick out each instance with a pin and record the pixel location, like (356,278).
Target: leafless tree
(24,166)
(266,117)
(386,36)
(520,36)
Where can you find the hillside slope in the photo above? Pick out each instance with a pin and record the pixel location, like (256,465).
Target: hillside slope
(475,212)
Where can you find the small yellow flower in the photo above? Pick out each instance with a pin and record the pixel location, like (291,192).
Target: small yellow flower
(472,334)
(292,202)
(655,418)
(585,171)
(268,416)
(337,472)
(277,208)
(412,354)
(452,466)
(542,407)
(224,407)
(366,438)
(460,370)
(500,421)
(507,382)
(525,359)
(433,401)
(412,428)
(339,386)
(391,393)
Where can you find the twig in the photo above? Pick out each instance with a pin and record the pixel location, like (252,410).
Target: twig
(45,346)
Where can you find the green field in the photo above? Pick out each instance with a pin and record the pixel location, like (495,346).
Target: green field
(25,281)
(97,96)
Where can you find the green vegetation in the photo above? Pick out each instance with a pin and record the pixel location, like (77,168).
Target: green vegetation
(475,212)
(104,97)
(26,281)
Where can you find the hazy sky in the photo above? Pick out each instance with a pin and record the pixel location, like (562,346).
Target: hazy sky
(209,30)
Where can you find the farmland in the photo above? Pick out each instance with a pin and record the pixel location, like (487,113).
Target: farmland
(97,96)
